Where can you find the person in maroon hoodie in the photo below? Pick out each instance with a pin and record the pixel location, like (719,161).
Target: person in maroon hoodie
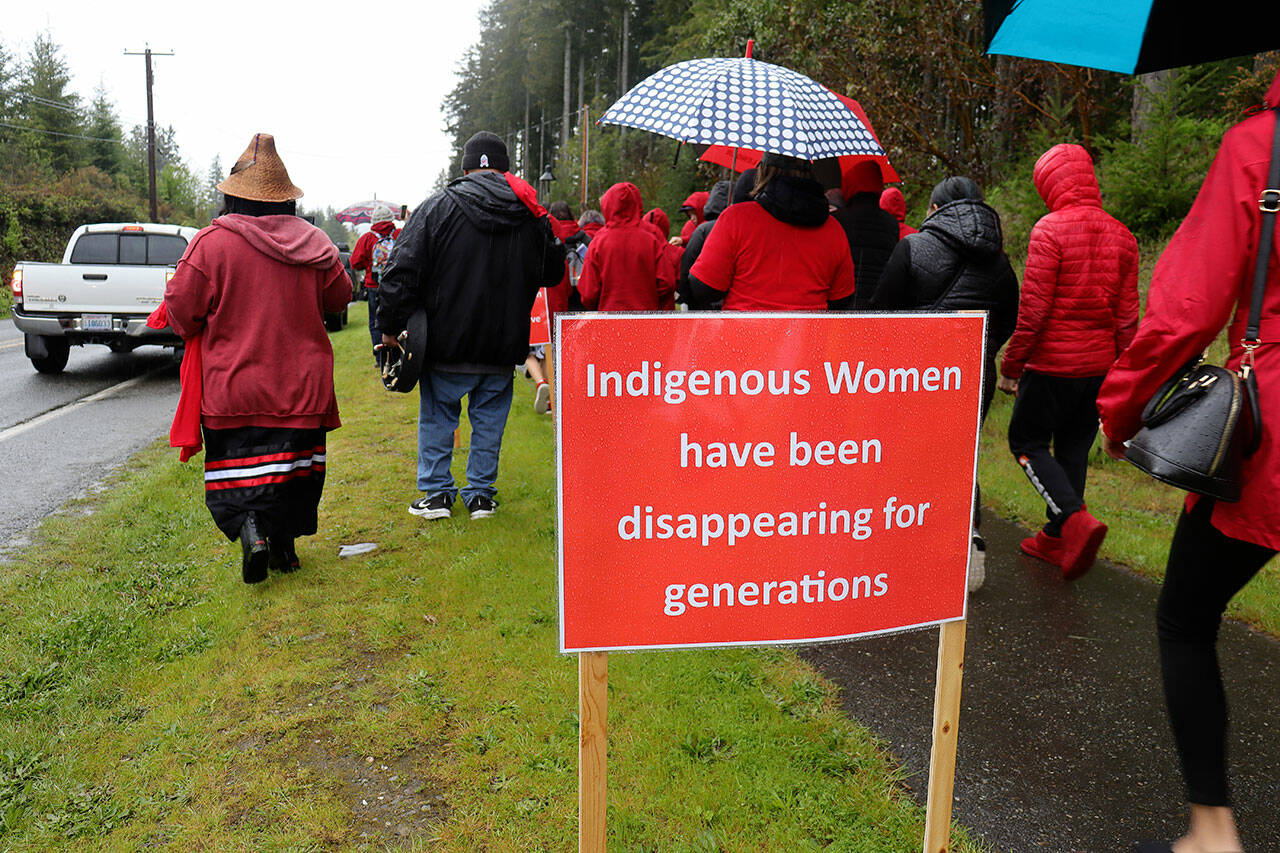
(1202,284)
(625,268)
(671,253)
(371,254)
(893,203)
(1077,311)
(254,286)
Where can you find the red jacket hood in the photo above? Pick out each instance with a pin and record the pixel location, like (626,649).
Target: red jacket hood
(892,201)
(1064,176)
(592,228)
(563,228)
(659,218)
(697,201)
(284,238)
(384,228)
(864,176)
(621,204)
(1273,94)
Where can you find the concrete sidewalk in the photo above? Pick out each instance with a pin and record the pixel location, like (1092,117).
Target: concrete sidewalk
(1064,743)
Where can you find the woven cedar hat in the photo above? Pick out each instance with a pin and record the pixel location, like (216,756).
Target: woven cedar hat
(259,174)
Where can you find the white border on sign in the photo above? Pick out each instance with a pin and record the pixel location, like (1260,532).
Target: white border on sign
(742,316)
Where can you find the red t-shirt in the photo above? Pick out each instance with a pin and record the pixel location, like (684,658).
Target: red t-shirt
(764,264)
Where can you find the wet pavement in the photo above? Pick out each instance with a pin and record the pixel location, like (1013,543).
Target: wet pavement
(1064,744)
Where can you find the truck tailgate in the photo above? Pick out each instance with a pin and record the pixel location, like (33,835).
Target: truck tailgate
(92,288)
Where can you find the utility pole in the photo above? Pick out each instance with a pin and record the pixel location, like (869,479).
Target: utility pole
(151,126)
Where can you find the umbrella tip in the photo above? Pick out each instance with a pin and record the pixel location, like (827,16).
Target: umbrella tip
(751,45)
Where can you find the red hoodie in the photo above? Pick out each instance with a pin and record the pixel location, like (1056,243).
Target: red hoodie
(670,254)
(624,269)
(697,201)
(362,254)
(1079,302)
(255,289)
(891,201)
(1201,284)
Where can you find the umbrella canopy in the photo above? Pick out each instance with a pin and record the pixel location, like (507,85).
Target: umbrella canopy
(741,159)
(1129,36)
(746,103)
(362,211)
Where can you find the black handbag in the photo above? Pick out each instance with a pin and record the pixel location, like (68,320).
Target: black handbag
(1201,425)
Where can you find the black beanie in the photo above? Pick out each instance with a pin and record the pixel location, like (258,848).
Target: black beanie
(485,150)
(955,188)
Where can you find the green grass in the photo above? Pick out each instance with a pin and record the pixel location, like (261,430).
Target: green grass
(1139,511)
(408,699)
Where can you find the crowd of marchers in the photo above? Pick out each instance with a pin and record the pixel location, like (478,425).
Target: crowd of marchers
(1068,342)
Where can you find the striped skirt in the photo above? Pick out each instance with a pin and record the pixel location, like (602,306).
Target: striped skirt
(277,473)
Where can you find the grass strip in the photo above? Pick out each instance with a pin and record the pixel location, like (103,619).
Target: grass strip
(408,699)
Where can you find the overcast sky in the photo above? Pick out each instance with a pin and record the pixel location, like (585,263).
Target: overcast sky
(351,91)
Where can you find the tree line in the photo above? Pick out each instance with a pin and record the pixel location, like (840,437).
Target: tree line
(939,104)
(66,160)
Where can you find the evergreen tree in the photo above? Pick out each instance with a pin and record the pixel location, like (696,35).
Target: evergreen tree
(106,148)
(50,110)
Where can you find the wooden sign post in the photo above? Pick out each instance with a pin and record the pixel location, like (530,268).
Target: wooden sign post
(819,487)
(593,701)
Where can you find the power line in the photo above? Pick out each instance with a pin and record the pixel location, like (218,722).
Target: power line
(56,133)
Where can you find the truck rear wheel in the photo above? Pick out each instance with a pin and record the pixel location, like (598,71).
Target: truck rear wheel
(57,349)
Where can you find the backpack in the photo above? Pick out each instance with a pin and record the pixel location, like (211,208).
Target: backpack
(382,253)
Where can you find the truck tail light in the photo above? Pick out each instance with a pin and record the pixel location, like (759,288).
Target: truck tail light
(132,228)
(15,284)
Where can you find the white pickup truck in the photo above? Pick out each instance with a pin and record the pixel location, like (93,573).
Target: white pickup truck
(111,277)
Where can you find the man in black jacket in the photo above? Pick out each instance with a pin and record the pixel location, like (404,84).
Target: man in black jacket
(475,255)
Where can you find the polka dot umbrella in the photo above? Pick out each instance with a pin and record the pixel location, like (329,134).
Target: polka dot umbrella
(745,103)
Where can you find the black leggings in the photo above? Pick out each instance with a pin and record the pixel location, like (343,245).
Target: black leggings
(1206,569)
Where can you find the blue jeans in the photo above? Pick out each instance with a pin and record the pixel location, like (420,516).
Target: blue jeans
(488,404)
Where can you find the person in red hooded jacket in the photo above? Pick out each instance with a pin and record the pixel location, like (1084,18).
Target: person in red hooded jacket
(563,226)
(371,253)
(1078,310)
(625,268)
(253,287)
(893,203)
(1202,283)
(671,253)
(693,207)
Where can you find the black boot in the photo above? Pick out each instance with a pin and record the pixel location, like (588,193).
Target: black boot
(282,556)
(253,545)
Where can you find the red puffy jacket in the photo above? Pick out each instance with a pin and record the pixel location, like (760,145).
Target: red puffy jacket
(1079,303)
(1201,283)
(624,269)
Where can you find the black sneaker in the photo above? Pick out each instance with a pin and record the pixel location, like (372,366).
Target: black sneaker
(432,506)
(481,507)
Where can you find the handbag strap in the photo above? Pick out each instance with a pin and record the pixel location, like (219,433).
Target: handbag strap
(1269,204)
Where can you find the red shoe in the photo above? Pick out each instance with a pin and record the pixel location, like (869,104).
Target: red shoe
(1082,536)
(1042,546)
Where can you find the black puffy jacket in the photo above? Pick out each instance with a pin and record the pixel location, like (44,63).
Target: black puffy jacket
(475,255)
(872,234)
(956,263)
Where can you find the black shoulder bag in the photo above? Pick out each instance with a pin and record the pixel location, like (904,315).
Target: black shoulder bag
(1201,425)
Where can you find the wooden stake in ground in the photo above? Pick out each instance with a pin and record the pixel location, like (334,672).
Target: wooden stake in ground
(593,700)
(946,730)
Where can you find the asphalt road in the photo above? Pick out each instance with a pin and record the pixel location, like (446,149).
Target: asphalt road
(60,435)
(1063,740)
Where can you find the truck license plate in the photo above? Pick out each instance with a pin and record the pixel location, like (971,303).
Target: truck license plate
(95,322)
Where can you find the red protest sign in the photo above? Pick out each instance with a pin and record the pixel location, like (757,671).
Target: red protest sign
(744,479)
(539,327)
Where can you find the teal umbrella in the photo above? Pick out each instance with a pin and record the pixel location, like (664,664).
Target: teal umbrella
(1130,36)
